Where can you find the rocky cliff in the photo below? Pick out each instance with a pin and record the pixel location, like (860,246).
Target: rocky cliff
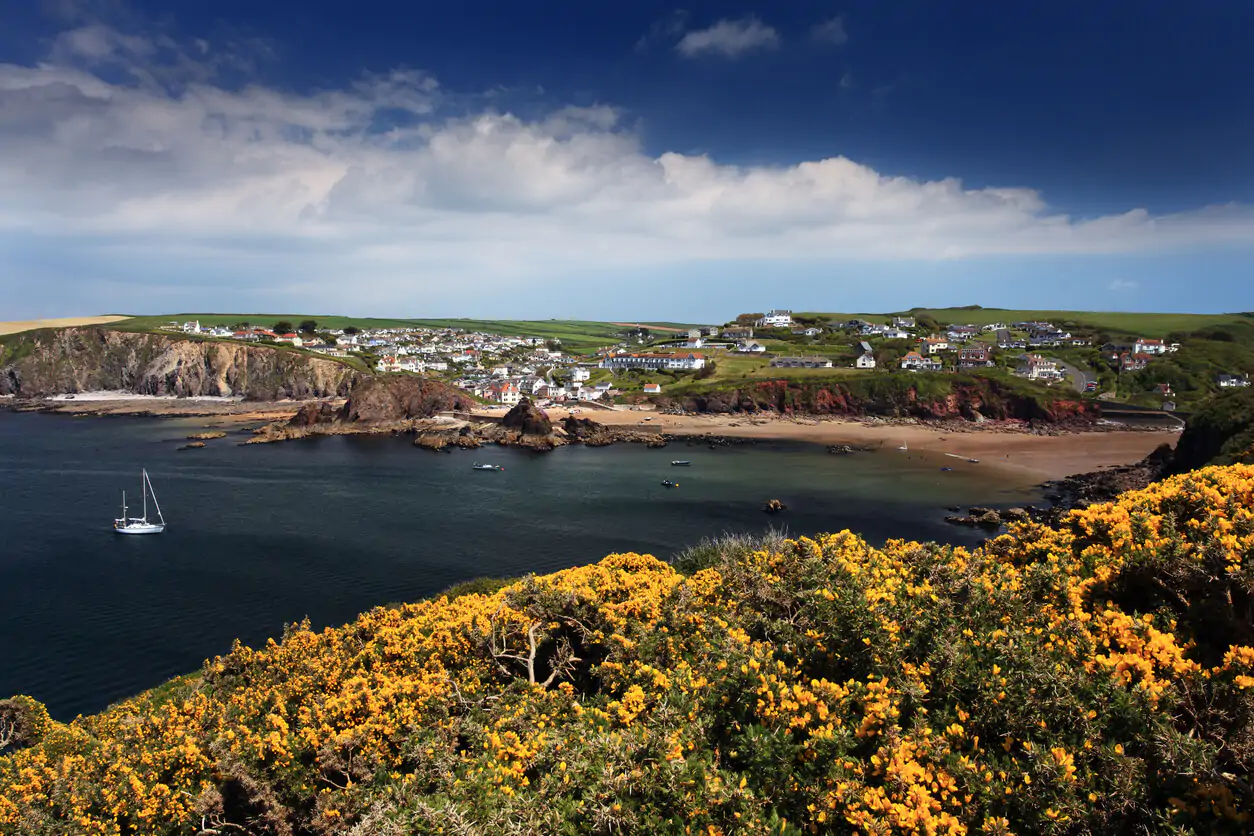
(70,360)
(914,396)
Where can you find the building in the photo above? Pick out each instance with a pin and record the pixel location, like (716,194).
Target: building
(808,332)
(289,338)
(866,360)
(1232,381)
(738,333)
(916,362)
(506,392)
(776,319)
(1036,367)
(933,345)
(750,347)
(653,388)
(903,322)
(1143,346)
(962,333)
(579,374)
(1133,361)
(975,356)
(801,363)
(654,362)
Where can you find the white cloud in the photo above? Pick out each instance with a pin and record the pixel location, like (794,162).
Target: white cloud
(1123,284)
(309,190)
(729,39)
(830,32)
(846,81)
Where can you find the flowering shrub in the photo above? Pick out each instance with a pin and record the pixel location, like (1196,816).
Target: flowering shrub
(1097,677)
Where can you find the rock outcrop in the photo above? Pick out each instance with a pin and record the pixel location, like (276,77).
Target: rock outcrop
(528,419)
(69,360)
(388,398)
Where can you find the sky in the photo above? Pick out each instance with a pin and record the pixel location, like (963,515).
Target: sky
(629,161)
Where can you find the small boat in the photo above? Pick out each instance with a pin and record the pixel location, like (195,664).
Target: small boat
(478,466)
(904,446)
(667,483)
(681,463)
(944,469)
(140,525)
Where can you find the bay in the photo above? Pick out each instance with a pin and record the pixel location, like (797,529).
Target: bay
(264,535)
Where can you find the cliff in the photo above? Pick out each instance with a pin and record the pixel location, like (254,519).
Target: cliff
(1097,677)
(916,396)
(70,360)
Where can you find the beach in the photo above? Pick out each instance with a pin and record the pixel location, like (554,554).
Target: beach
(62,322)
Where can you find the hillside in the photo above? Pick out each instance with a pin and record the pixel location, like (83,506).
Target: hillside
(1156,325)
(51,362)
(1097,677)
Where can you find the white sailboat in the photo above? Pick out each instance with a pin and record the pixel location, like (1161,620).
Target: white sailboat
(904,446)
(140,525)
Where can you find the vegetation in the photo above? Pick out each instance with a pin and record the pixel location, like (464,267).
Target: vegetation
(1114,322)
(1221,431)
(1097,677)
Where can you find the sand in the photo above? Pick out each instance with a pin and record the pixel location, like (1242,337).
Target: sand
(1026,455)
(63,322)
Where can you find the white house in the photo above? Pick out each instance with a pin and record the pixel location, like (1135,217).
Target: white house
(903,322)
(776,319)
(1233,381)
(750,347)
(914,361)
(1036,367)
(579,374)
(1144,346)
(933,345)
(866,360)
(505,392)
(653,388)
(801,363)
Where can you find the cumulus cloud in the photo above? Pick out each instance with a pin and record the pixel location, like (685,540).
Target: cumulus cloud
(830,32)
(376,180)
(729,39)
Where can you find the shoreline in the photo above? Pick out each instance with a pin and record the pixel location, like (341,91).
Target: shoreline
(1010,448)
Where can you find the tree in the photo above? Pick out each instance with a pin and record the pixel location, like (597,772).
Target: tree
(749,318)
(283,327)
(352,329)
(23,722)
(309,326)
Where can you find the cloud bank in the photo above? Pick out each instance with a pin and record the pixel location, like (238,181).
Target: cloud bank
(129,147)
(729,39)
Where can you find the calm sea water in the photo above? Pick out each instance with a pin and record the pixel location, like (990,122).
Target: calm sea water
(268,534)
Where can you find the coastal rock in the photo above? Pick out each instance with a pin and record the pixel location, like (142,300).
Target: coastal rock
(1015,515)
(68,360)
(312,414)
(1085,489)
(987,518)
(390,398)
(195,445)
(208,435)
(528,419)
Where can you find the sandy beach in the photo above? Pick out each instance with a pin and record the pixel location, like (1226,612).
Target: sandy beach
(63,322)
(1038,457)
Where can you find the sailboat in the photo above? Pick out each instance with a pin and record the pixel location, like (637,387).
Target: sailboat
(140,525)
(904,446)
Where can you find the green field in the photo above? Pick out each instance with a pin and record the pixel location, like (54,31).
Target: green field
(1138,324)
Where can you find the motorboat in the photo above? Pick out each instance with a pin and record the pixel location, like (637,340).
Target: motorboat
(478,466)
(681,463)
(667,483)
(140,525)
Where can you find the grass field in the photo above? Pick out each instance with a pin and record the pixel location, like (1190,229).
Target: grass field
(1138,324)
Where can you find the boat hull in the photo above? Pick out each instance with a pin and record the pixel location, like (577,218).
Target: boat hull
(141,528)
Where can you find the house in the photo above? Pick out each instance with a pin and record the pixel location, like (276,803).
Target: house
(697,342)
(579,374)
(801,363)
(653,388)
(694,334)
(710,330)
(1133,361)
(1144,346)
(975,356)
(654,362)
(750,347)
(808,332)
(1006,340)
(738,333)
(933,345)
(962,333)
(776,319)
(506,392)
(1036,367)
(866,360)
(903,322)
(914,361)
(1232,381)
(289,338)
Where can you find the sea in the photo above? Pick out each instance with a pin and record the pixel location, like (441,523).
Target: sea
(264,535)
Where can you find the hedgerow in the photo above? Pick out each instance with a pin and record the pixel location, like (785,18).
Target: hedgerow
(1096,677)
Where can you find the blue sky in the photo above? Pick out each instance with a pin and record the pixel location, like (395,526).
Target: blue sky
(641,160)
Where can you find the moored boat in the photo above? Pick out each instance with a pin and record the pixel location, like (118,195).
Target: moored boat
(667,483)
(140,525)
(478,466)
(681,463)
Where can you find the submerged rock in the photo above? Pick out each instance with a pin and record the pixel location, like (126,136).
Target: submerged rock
(774,506)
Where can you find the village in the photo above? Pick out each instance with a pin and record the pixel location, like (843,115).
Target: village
(503,369)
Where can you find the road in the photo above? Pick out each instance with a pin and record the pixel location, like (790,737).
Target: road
(1079,378)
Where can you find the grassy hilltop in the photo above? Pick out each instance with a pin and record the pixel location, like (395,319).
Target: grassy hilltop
(1154,325)
(1098,677)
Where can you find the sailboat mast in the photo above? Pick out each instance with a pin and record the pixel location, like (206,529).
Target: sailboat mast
(143,487)
(124,507)
(154,498)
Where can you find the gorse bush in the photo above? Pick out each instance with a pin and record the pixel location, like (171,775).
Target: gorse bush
(1098,677)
